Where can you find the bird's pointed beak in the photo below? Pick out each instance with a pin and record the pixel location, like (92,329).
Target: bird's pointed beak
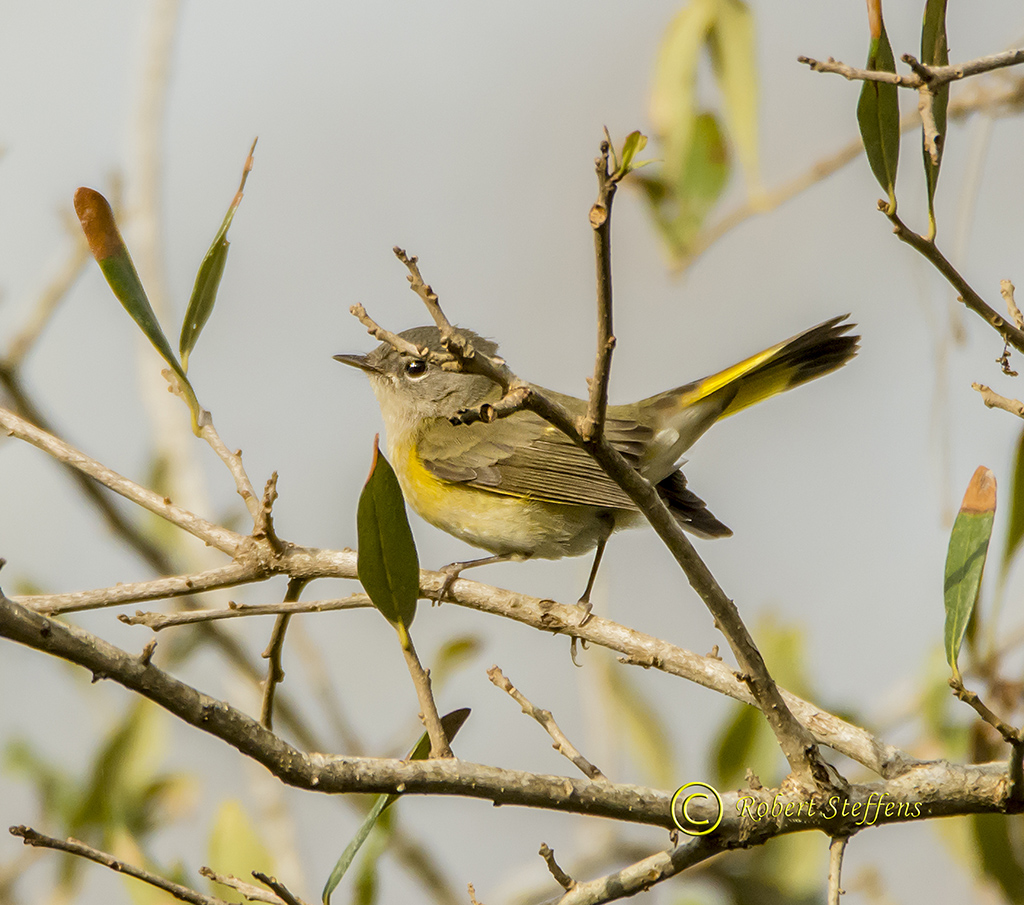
(358,361)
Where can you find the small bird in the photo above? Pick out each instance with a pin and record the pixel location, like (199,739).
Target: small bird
(519,488)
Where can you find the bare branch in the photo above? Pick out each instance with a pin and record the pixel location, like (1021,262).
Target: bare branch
(1011,334)
(215,536)
(561,877)
(592,424)
(561,742)
(250,891)
(993,400)
(274,652)
(286,895)
(159,621)
(74,847)
(234,573)
(439,746)
(923,75)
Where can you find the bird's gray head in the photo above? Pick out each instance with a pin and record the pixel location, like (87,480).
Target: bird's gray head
(410,388)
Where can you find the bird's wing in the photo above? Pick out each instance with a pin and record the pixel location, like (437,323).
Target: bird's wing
(524,456)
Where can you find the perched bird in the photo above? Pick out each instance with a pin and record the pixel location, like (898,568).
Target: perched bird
(519,488)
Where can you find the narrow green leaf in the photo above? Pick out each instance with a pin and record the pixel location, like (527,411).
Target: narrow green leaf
(451,723)
(1015,528)
(635,142)
(674,103)
(935,52)
(115,262)
(680,209)
(204,292)
(965,561)
(387,563)
(235,848)
(733,45)
(878,113)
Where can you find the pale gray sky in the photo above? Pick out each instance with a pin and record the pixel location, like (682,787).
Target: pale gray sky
(465,133)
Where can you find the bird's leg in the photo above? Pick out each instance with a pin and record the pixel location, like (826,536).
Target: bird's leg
(452,570)
(608,523)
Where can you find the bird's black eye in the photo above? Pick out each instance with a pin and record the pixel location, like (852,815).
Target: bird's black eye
(416,367)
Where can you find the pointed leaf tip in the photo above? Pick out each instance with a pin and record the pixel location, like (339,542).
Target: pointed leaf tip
(981,492)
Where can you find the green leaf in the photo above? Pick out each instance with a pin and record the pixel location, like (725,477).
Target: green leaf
(110,252)
(935,52)
(204,292)
(236,849)
(635,142)
(452,656)
(451,723)
(878,113)
(965,561)
(1015,528)
(674,92)
(387,563)
(733,46)
(680,209)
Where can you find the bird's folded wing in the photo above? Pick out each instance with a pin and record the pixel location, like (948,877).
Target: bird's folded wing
(524,456)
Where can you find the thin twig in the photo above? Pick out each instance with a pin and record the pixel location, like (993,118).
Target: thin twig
(396,341)
(287,896)
(439,746)
(233,460)
(561,877)
(561,743)
(274,652)
(250,891)
(74,847)
(215,536)
(227,576)
(927,248)
(922,74)
(159,621)
(592,424)
(993,400)
(836,849)
(1009,734)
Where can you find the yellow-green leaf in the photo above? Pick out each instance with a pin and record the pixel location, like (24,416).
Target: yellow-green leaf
(204,292)
(935,52)
(635,142)
(733,46)
(235,848)
(387,563)
(878,113)
(111,253)
(965,561)
(674,92)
